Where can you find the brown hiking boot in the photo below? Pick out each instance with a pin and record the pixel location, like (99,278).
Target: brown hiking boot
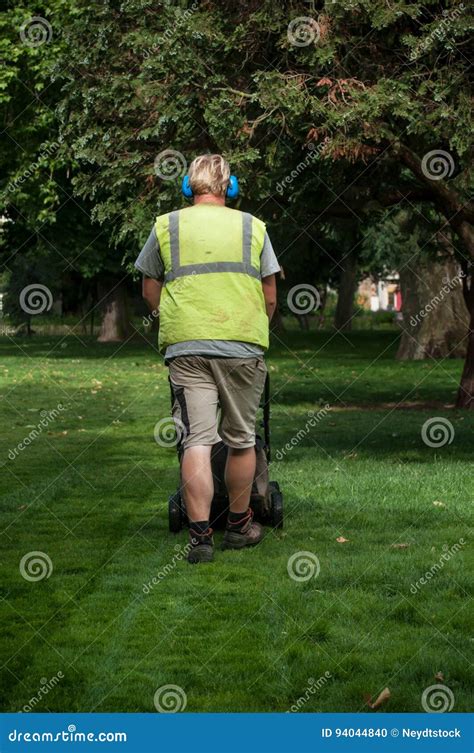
(244,533)
(201,546)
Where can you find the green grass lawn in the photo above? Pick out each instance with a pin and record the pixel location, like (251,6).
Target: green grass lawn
(238,635)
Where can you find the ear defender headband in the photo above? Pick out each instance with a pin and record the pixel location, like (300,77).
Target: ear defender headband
(232,190)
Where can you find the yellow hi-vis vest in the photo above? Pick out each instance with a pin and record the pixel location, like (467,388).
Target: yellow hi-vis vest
(212,286)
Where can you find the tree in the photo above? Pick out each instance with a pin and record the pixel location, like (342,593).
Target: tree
(49,233)
(240,78)
(435,318)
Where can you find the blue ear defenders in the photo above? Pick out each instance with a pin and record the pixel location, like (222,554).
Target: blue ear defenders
(231,193)
(233,188)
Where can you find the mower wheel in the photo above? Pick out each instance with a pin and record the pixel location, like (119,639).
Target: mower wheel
(174,512)
(276,498)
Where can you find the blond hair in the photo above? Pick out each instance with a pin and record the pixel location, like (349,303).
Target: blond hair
(209,173)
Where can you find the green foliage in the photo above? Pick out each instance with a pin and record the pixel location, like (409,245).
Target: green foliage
(225,76)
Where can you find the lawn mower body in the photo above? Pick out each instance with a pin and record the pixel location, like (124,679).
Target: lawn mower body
(266,499)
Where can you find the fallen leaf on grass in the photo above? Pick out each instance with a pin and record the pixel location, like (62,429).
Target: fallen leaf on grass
(341,540)
(437,503)
(439,676)
(381,698)
(399,546)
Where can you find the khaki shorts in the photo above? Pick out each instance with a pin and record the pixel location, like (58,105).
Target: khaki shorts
(216,398)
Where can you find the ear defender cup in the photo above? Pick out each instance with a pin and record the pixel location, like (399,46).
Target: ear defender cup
(186,188)
(231,193)
(233,188)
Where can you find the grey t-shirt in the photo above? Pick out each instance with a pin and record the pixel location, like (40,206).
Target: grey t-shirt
(150,263)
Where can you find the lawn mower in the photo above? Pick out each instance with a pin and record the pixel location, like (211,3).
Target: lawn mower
(266,499)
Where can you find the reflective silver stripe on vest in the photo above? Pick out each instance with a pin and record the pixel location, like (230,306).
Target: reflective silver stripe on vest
(247,238)
(244,266)
(174,240)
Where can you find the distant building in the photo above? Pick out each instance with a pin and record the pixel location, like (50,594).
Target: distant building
(380,295)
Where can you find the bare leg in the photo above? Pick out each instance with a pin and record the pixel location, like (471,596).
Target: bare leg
(197,483)
(239,476)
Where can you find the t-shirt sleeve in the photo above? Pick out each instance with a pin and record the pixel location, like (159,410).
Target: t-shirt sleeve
(149,260)
(268,261)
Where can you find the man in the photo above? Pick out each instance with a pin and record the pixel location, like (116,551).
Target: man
(211,269)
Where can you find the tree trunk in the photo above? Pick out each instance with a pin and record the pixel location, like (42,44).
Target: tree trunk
(435,317)
(115,326)
(346,293)
(465,398)
(460,215)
